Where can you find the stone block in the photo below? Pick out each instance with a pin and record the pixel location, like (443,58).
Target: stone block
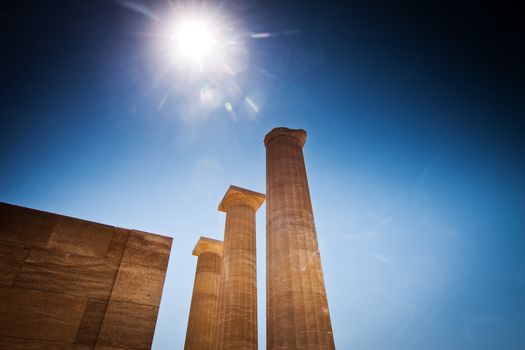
(128,325)
(138,284)
(91,277)
(147,249)
(11,260)
(91,323)
(64,286)
(25,226)
(118,243)
(81,237)
(35,314)
(10,343)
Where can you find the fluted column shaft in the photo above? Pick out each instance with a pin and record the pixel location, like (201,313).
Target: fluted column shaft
(237,327)
(297,307)
(202,323)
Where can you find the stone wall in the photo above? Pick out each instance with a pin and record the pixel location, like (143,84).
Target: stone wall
(67,283)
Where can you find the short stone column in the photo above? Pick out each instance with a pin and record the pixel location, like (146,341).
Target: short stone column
(297,307)
(237,327)
(202,323)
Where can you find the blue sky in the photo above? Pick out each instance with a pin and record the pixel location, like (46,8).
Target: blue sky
(414,152)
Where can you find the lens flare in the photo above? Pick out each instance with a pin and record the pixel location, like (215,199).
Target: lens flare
(198,57)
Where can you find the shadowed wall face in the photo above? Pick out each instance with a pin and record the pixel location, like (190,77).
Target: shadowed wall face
(67,283)
(297,307)
(237,327)
(202,323)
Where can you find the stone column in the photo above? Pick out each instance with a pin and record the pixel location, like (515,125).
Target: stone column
(297,307)
(237,328)
(202,323)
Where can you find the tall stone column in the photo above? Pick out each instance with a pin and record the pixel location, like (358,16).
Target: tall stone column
(297,307)
(202,323)
(237,328)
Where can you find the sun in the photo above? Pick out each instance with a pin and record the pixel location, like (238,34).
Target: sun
(194,40)
(203,57)
(202,42)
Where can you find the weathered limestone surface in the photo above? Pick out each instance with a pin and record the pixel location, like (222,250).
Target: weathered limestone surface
(12,259)
(237,328)
(147,250)
(42,315)
(297,307)
(91,322)
(73,274)
(72,284)
(128,325)
(14,223)
(12,343)
(138,284)
(202,322)
(90,238)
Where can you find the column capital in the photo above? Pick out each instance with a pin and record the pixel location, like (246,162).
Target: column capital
(298,134)
(238,195)
(207,245)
